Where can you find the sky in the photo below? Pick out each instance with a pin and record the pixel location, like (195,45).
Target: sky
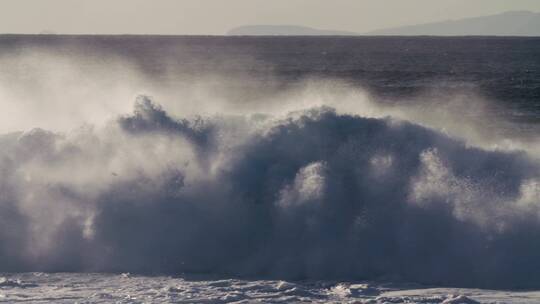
(216,17)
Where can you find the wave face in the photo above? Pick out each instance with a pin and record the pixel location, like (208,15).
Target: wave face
(311,195)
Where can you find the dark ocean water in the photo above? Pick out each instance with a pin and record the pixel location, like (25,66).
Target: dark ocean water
(425,191)
(505,69)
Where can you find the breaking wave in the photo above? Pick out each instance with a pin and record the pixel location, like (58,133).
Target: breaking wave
(310,195)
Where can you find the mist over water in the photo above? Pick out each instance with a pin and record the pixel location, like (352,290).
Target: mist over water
(234,165)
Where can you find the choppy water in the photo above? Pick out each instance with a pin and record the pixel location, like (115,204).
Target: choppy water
(126,288)
(321,161)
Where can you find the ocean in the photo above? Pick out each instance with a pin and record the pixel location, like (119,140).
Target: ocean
(191,169)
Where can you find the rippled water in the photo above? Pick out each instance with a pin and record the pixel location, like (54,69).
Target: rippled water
(126,288)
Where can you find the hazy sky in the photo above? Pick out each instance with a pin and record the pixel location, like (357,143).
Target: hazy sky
(218,16)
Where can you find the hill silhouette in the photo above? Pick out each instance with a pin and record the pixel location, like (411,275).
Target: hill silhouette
(513,23)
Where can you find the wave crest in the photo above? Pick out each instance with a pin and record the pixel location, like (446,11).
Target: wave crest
(315,195)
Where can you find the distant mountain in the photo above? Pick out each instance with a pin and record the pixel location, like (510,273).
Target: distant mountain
(284,30)
(515,23)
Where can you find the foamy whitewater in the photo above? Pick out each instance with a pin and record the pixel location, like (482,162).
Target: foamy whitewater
(318,194)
